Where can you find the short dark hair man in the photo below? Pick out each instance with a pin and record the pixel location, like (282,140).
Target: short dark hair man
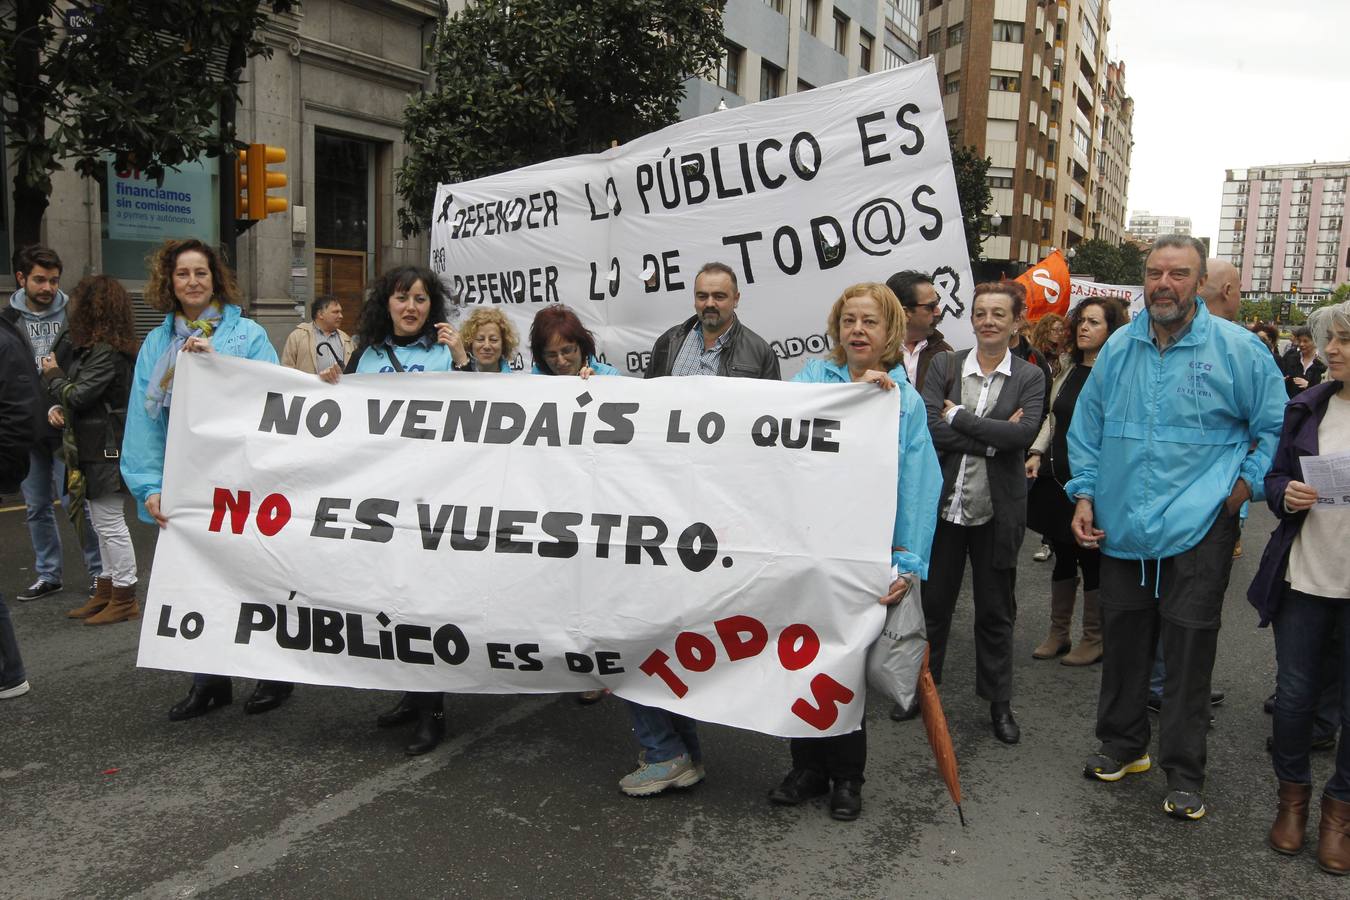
(17,384)
(923,341)
(1173,431)
(315,345)
(712,342)
(38,307)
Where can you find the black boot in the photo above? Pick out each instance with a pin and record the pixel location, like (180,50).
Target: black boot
(268,695)
(430,725)
(401,714)
(201,699)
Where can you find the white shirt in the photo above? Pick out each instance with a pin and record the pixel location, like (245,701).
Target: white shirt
(991,386)
(912,362)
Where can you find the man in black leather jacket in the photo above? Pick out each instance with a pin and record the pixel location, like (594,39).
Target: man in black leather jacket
(726,347)
(17,386)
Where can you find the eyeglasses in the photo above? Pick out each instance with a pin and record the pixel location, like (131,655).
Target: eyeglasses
(930,306)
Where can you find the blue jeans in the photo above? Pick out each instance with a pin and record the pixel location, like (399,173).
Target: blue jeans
(1159,674)
(45,482)
(664,735)
(1302,625)
(11,663)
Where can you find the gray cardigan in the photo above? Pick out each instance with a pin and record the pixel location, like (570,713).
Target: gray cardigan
(969,433)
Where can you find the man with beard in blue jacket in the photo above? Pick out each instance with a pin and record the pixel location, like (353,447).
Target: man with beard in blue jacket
(1173,431)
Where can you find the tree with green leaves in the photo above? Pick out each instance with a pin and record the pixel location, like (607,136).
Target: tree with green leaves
(972,191)
(1097,258)
(151,82)
(531,80)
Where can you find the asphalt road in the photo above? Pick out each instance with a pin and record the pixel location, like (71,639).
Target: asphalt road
(101,796)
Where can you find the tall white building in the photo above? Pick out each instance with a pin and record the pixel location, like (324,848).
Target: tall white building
(1285,227)
(1147,227)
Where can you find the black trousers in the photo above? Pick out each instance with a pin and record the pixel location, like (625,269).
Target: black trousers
(1179,598)
(995,605)
(841,757)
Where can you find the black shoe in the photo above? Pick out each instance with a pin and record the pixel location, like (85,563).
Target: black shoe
(1269,706)
(901,714)
(1154,702)
(846,800)
(39,589)
(1216,698)
(799,786)
(268,695)
(1005,726)
(430,731)
(201,699)
(402,714)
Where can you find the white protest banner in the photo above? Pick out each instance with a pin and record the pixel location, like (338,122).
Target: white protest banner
(715,547)
(1080,289)
(802,196)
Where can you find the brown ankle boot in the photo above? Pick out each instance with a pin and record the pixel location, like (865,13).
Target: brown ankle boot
(1291,821)
(1062,596)
(99,599)
(120,608)
(1089,649)
(1333,837)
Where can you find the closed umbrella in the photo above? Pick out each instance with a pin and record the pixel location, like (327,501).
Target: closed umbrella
(939,737)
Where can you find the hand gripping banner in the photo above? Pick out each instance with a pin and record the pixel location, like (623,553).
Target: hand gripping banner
(803,196)
(713,546)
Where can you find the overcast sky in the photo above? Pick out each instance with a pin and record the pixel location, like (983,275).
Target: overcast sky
(1229,84)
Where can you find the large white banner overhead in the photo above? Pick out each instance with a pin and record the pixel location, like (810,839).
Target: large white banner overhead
(706,547)
(802,196)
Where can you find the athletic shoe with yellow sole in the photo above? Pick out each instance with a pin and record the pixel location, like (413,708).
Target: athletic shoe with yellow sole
(1185,805)
(1104,768)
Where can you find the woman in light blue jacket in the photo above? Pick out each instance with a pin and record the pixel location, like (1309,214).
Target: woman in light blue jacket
(403,328)
(561,345)
(866,327)
(195,289)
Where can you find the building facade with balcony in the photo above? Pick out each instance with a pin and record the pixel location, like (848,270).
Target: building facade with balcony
(777,47)
(1145,227)
(1284,227)
(1027,83)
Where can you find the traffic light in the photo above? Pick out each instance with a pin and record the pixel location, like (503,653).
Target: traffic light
(1293,288)
(254,179)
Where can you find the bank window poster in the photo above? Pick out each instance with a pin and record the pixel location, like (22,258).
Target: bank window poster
(139,208)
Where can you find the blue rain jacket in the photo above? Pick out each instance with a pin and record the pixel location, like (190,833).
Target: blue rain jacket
(599,367)
(1158,440)
(145,436)
(918,485)
(421,356)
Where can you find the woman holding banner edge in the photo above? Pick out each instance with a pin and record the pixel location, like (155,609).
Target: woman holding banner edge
(190,283)
(403,328)
(866,327)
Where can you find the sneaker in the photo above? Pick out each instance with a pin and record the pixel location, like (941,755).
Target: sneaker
(39,589)
(904,714)
(1185,805)
(1043,554)
(1216,698)
(1104,768)
(15,690)
(654,777)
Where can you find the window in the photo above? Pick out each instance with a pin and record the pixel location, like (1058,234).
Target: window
(729,69)
(951,85)
(1005,81)
(864,51)
(954,35)
(804,85)
(810,12)
(1000,181)
(770,81)
(185,204)
(840,34)
(934,44)
(904,15)
(1081,139)
(892,59)
(1008,31)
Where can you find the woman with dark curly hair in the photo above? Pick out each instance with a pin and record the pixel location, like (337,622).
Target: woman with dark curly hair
(90,395)
(192,286)
(1270,336)
(403,329)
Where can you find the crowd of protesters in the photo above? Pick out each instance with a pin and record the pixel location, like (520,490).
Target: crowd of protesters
(1131,446)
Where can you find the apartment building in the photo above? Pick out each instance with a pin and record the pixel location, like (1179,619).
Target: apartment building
(1285,226)
(1145,226)
(777,47)
(1028,84)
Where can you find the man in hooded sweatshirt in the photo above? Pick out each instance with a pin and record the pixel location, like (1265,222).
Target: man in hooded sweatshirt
(38,308)
(1173,431)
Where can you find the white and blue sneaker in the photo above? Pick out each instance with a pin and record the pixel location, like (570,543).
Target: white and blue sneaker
(654,777)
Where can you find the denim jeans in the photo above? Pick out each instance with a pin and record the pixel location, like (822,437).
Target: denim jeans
(1302,625)
(11,663)
(45,482)
(664,735)
(1159,673)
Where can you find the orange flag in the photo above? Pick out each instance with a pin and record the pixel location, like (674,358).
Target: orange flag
(1047,285)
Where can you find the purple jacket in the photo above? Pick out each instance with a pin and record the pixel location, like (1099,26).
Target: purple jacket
(1298,438)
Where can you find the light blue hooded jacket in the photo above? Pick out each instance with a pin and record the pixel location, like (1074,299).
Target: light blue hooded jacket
(918,484)
(1158,440)
(599,367)
(145,436)
(423,355)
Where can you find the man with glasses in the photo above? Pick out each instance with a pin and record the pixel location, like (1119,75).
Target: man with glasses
(922,339)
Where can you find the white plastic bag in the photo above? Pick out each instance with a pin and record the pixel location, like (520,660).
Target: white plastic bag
(894,661)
